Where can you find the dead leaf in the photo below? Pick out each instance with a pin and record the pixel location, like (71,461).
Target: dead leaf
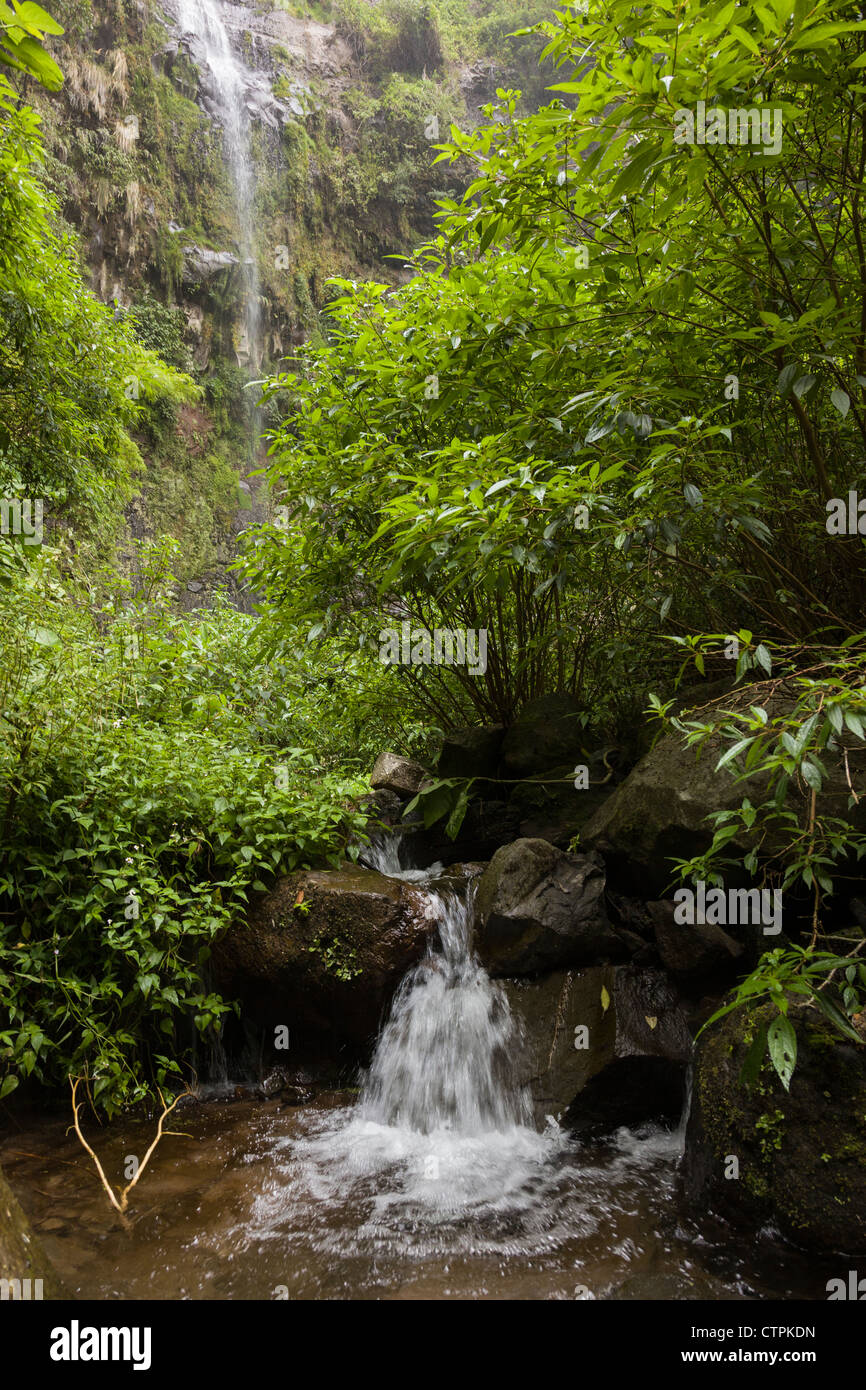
(651,1021)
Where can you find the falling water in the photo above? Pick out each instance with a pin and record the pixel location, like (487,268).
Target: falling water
(441,1127)
(445,1060)
(226,81)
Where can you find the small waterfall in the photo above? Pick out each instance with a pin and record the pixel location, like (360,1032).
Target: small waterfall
(441,1127)
(445,1059)
(226,83)
(383,855)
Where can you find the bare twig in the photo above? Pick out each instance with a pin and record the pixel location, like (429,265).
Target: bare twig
(121,1201)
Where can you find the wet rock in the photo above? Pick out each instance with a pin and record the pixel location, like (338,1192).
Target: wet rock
(577,1025)
(695,954)
(201,263)
(396,774)
(628,1091)
(650,1021)
(21,1254)
(548,1012)
(322,954)
(800,1154)
(547,733)
(541,909)
(471,752)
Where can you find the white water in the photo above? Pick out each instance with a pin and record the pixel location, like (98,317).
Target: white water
(441,1128)
(226,81)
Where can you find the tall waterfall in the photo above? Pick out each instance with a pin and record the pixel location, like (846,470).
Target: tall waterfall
(226,81)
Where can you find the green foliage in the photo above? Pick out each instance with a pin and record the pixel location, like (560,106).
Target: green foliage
(161,328)
(834,984)
(337,956)
(72,378)
(145,797)
(22,29)
(797,733)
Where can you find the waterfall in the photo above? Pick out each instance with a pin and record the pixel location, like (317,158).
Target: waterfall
(226,82)
(441,1126)
(445,1059)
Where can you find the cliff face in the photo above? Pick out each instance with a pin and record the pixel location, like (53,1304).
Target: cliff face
(219,240)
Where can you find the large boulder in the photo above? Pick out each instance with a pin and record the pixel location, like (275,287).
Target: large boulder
(22,1258)
(796,1158)
(396,774)
(696,954)
(539,909)
(547,733)
(322,954)
(556,1063)
(659,812)
(585,1037)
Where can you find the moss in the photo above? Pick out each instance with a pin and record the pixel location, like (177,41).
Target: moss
(802,1152)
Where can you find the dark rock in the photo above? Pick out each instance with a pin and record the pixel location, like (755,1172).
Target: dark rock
(694,954)
(386,806)
(650,1021)
(801,1153)
(576,1025)
(541,909)
(554,809)
(487,826)
(659,812)
(322,954)
(471,752)
(548,1011)
(398,775)
(628,1091)
(547,734)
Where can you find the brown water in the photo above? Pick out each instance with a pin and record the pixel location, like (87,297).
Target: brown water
(264,1202)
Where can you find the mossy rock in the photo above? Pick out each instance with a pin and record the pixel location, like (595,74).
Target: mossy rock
(801,1153)
(21,1255)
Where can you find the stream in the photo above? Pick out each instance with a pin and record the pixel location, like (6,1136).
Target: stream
(431,1182)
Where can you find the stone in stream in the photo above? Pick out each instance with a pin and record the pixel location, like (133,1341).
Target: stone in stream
(22,1258)
(322,954)
(539,909)
(591,1057)
(796,1158)
(396,774)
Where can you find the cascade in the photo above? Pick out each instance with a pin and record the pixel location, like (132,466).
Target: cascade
(226,81)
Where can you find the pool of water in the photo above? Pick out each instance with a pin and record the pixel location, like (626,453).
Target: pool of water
(260,1201)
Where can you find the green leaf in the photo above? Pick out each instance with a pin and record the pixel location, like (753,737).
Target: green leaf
(782,1045)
